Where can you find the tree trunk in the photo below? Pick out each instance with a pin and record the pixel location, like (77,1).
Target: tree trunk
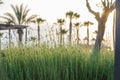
(117,43)
(9,37)
(88,35)
(70,31)
(38,34)
(26,36)
(77,36)
(99,38)
(60,36)
(20,35)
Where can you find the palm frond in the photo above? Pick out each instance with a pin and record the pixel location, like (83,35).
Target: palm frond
(40,20)
(61,21)
(31,18)
(10,16)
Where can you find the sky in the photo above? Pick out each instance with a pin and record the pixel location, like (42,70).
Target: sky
(51,10)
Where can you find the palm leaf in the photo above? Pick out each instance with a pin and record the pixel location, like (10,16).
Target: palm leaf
(31,18)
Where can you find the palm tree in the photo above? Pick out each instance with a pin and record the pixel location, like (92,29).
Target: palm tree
(117,43)
(71,15)
(19,17)
(108,6)
(31,19)
(39,21)
(87,24)
(63,32)
(77,25)
(61,22)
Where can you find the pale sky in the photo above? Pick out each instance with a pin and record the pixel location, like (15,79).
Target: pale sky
(53,9)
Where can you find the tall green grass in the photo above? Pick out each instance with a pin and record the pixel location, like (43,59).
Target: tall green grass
(60,63)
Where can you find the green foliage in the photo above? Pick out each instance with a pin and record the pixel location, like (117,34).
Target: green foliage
(61,21)
(40,20)
(88,23)
(63,31)
(59,63)
(72,14)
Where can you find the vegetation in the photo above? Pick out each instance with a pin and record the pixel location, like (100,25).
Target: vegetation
(64,62)
(59,63)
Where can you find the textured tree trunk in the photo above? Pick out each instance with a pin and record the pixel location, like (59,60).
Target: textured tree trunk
(117,43)
(60,36)
(99,38)
(38,34)
(20,35)
(88,35)
(70,31)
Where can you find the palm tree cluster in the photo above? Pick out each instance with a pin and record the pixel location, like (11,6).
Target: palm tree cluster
(19,16)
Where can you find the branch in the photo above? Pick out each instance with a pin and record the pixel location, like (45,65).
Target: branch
(103,3)
(113,6)
(97,16)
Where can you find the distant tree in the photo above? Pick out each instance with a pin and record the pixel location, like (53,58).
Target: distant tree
(108,7)
(87,24)
(77,26)
(71,15)
(19,17)
(39,21)
(60,22)
(63,32)
(31,19)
